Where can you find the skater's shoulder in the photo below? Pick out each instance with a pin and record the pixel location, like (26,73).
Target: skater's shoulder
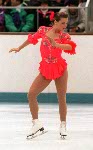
(43,29)
(65,35)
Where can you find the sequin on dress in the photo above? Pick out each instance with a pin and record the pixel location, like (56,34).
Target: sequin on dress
(52,65)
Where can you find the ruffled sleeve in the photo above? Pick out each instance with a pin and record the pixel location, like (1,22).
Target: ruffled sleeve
(33,38)
(67,40)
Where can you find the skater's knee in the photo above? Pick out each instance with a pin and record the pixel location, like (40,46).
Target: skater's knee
(62,94)
(32,95)
(62,97)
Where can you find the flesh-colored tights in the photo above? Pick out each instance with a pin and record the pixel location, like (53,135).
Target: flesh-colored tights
(39,84)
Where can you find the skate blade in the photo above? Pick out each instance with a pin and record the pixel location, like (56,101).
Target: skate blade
(29,137)
(63,137)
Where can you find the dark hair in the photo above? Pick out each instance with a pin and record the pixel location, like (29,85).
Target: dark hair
(73,2)
(45,2)
(59,16)
(21,1)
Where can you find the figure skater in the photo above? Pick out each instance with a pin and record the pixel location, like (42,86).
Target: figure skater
(52,67)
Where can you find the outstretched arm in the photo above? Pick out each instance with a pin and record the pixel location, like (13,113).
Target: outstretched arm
(32,39)
(20,47)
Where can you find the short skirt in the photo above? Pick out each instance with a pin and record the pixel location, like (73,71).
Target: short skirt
(53,70)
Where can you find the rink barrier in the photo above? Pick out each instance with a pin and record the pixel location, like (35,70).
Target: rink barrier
(84,98)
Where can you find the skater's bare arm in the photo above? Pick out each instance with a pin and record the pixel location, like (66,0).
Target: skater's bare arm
(62,46)
(20,47)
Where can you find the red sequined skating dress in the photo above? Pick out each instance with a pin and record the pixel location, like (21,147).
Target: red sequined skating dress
(52,65)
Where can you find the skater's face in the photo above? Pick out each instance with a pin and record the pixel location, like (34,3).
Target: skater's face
(60,21)
(61,24)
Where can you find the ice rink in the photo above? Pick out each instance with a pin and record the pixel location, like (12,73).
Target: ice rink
(15,125)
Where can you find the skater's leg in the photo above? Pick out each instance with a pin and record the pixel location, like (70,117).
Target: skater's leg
(39,84)
(61,86)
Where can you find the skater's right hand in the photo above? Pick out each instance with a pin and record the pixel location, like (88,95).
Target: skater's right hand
(52,41)
(15,50)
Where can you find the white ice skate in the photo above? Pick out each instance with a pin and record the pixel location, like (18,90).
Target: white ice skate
(37,126)
(63,131)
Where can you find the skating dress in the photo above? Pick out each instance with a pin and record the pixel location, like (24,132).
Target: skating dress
(52,65)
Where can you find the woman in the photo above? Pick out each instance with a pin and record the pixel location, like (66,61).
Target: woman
(52,67)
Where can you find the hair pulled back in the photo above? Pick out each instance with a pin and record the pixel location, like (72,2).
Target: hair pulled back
(59,15)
